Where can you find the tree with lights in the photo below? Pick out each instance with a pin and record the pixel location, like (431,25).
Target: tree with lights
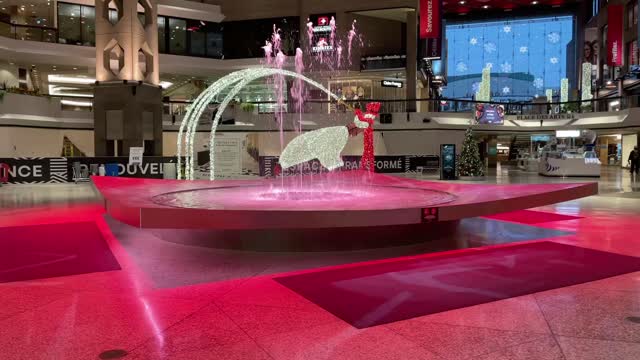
(469,163)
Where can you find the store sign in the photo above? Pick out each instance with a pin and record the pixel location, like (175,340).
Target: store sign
(430,19)
(392,83)
(567,133)
(60,170)
(539,117)
(320,26)
(269,166)
(614,34)
(383,62)
(433,49)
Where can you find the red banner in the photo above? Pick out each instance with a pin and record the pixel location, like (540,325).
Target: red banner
(614,35)
(430,19)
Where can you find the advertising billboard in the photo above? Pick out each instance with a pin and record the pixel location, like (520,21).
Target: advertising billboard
(489,114)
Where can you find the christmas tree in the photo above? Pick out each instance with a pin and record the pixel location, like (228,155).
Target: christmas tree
(469,163)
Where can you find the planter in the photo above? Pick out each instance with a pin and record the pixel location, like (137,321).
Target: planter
(472,178)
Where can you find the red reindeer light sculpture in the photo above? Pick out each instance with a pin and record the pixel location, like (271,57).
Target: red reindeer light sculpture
(365,122)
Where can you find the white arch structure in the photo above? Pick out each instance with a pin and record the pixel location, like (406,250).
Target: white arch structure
(238,80)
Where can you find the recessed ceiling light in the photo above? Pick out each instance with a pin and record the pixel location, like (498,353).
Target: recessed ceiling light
(534,3)
(462,2)
(485,6)
(75,68)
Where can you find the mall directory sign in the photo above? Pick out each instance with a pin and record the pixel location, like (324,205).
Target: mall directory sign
(448,158)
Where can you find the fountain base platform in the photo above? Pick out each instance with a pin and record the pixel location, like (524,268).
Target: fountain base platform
(349,209)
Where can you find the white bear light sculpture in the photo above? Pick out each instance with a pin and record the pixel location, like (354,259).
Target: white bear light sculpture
(324,144)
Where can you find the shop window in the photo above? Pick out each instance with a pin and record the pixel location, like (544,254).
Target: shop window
(88,22)
(162,37)
(69,24)
(177,36)
(198,38)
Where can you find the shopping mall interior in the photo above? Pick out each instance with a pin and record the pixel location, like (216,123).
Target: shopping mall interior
(303,179)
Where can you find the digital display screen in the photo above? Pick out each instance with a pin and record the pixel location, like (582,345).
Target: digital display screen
(489,114)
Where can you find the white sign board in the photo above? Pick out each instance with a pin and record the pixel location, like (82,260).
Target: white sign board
(135,155)
(228,155)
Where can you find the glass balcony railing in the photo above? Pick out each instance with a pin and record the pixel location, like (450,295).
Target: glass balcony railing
(28,32)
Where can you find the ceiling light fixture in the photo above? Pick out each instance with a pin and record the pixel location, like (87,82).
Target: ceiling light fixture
(485,6)
(70,79)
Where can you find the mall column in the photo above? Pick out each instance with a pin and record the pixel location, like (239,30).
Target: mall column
(127,94)
(412,59)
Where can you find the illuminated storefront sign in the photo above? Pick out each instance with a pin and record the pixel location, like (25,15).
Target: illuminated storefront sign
(430,19)
(614,35)
(392,83)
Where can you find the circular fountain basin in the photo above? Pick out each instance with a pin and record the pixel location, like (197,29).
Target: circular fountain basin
(322,196)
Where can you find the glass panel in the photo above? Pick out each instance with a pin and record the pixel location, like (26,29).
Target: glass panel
(162,38)
(69,26)
(198,38)
(5,30)
(214,44)
(88,22)
(526,57)
(177,36)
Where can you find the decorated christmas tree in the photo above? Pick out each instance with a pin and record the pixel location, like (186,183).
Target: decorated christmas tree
(469,163)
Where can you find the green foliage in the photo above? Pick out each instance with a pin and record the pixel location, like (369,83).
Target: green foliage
(248,107)
(469,163)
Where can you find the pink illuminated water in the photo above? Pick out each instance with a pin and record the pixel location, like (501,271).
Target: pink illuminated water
(315,195)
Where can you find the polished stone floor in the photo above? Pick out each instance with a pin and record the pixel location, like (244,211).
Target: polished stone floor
(172,301)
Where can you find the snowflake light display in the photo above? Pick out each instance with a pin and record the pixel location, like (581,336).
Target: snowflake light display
(505,67)
(461,67)
(473,41)
(564,91)
(236,81)
(538,83)
(490,47)
(506,29)
(484,90)
(506,90)
(586,83)
(523,49)
(553,60)
(553,37)
(323,144)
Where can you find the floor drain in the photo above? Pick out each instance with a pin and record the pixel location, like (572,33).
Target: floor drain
(112,354)
(634,319)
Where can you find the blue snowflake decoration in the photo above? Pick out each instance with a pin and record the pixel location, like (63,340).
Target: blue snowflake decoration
(538,83)
(505,67)
(490,47)
(553,37)
(461,67)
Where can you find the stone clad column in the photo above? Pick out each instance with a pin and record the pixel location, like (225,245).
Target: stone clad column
(127,95)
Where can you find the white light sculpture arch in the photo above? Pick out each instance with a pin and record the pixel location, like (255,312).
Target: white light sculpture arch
(190,122)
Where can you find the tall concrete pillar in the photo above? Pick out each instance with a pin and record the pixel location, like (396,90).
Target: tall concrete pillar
(412,58)
(127,95)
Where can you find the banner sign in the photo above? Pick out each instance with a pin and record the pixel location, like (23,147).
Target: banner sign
(269,166)
(319,28)
(430,19)
(614,34)
(60,170)
(383,62)
(489,114)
